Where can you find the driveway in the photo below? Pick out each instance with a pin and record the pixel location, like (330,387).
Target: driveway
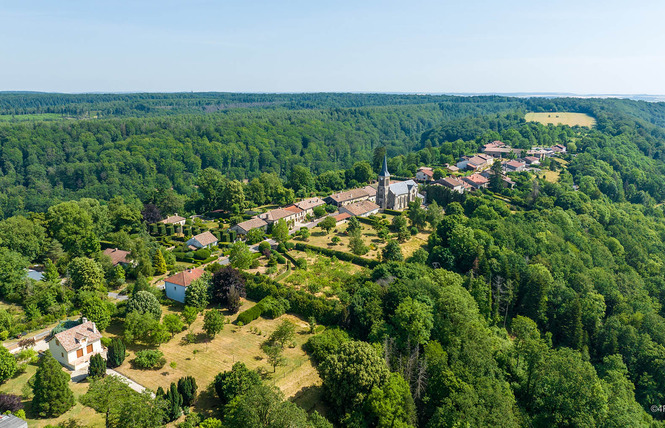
(135,386)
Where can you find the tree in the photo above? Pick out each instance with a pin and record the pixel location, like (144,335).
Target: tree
(417,214)
(10,403)
(74,228)
(357,245)
(115,355)
(255,235)
(187,388)
(151,213)
(533,292)
(232,383)
(328,224)
(159,263)
(392,252)
(240,256)
(117,278)
(86,274)
(7,364)
(52,396)
(496,182)
(233,197)
(434,214)
(23,236)
(304,233)
(280,231)
(399,222)
(144,302)
(213,323)
(414,321)
(97,367)
(197,295)
(391,405)
(174,403)
(13,268)
(285,332)
(275,354)
(212,186)
(227,286)
(300,179)
(173,324)
(353,226)
(97,311)
(350,374)
(189,315)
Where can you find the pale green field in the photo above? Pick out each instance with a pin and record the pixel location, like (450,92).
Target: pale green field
(561,118)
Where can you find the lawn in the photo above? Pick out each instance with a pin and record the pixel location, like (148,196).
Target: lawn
(83,414)
(319,238)
(323,277)
(297,378)
(562,118)
(551,176)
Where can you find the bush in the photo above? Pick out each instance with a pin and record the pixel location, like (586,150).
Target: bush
(326,343)
(202,254)
(97,367)
(151,359)
(361,261)
(289,246)
(273,308)
(106,341)
(250,314)
(264,247)
(301,263)
(281,260)
(10,403)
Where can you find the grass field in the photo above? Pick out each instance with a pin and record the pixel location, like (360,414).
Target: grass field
(298,378)
(561,118)
(83,414)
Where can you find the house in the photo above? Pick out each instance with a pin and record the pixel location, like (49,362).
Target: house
(477,181)
(174,220)
(350,196)
(298,214)
(514,166)
(118,257)
(532,160)
(395,196)
(74,347)
(371,192)
(288,215)
(176,285)
(451,168)
(342,218)
(475,163)
(559,148)
(424,174)
(253,223)
(451,183)
(360,209)
(505,180)
(308,205)
(11,421)
(203,240)
(496,144)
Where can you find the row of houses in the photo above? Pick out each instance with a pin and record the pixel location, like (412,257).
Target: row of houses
(292,214)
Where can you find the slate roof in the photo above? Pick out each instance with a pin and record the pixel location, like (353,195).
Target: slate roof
(402,187)
(73,338)
(117,256)
(205,238)
(384,169)
(11,421)
(185,277)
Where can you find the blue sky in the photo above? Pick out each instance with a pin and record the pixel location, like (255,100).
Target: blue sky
(309,46)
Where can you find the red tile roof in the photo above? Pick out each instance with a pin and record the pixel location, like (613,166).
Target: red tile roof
(117,256)
(294,209)
(75,337)
(343,216)
(185,278)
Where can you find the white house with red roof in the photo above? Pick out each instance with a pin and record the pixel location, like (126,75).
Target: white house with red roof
(74,347)
(176,285)
(203,240)
(424,174)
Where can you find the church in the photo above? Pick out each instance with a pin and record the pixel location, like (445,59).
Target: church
(395,196)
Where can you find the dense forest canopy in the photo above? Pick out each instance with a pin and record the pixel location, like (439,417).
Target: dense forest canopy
(539,305)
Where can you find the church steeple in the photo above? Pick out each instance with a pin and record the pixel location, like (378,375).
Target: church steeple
(384,170)
(383,189)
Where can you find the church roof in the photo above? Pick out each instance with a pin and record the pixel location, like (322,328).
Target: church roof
(384,170)
(402,187)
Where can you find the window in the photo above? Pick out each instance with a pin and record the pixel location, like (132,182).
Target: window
(62,354)
(174,288)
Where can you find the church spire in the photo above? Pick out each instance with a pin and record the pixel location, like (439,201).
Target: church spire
(384,170)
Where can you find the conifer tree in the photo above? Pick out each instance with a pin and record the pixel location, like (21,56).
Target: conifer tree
(159,263)
(97,367)
(53,397)
(116,353)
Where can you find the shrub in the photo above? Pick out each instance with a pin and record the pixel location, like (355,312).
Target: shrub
(106,341)
(151,359)
(281,260)
(264,246)
(202,254)
(301,263)
(326,343)
(10,403)
(273,308)
(97,367)
(187,388)
(250,314)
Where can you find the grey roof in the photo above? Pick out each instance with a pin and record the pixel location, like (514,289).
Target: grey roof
(36,275)
(384,170)
(11,421)
(402,187)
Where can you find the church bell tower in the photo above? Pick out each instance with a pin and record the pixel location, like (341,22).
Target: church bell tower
(384,185)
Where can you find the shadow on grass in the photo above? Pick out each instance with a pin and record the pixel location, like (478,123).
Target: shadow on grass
(207,403)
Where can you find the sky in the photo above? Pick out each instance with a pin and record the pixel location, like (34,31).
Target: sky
(462,46)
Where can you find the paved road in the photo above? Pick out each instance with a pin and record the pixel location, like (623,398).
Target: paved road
(135,386)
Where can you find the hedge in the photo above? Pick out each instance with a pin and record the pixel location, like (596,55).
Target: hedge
(366,220)
(393,212)
(250,314)
(360,261)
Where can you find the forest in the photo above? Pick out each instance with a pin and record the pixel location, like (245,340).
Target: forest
(541,305)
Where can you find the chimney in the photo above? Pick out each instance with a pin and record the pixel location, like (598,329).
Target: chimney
(84,320)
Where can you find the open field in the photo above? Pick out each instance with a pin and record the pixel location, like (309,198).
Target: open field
(551,176)
(561,118)
(297,378)
(83,414)
(324,276)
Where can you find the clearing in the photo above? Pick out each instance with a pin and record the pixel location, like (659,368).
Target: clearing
(562,118)
(297,378)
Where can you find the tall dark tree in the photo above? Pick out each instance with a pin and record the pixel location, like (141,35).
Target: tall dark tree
(115,353)
(187,388)
(52,395)
(225,280)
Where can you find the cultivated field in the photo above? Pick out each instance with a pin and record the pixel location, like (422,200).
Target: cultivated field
(562,118)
